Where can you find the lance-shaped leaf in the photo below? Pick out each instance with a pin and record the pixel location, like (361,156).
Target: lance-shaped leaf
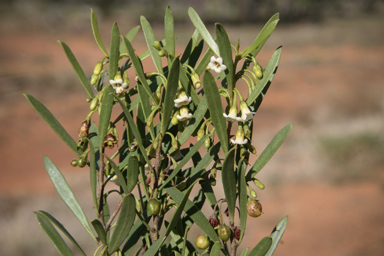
(194,212)
(53,123)
(216,109)
(134,236)
(243,199)
(138,68)
(170,94)
(132,173)
(114,52)
(216,248)
(244,253)
(130,36)
(66,194)
(169,31)
(188,87)
(262,247)
(262,37)
(100,231)
(199,25)
(226,53)
(53,235)
(43,214)
(276,235)
(150,39)
(118,174)
(176,216)
(267,78)
(93,175)
(154,249)
(269,151)
(96,33)
(229,182)
(79,71)
(105,114)
(124,223)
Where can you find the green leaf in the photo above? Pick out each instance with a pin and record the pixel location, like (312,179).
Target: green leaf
(276,235)
(134,236)
(262,247)
(155,247)
(118,174)
(150,39)
(114,51)
(244,253)
(195,213)
(66,194)
(138,68)
(169,31)
(199,25)
(185,160)
(61,228)
(267,78)
(229,182)
(170,94)
(145,108)
(79,71)
(269,151)
(124,223)
(262,37)
(98,227)
(216,248)
(105,114)
(132,173)
(216,109)
(93,175)
(243,199)
(53,123)
(204,61)
(53,235)
(130,36)
(96,33)
(188,87)
(226,53)
(176,216)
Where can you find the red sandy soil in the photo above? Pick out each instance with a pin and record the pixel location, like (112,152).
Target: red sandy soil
(324,219)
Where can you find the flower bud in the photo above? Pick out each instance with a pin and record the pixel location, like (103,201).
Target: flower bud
(94,104)
(157,45)
(259,184)
(94,79)
(162,53)
(213,172)
(247,131)
(82,162)
(109,141)
(258,72)
(82,143)
(195,80)
(252,192)
(212,181)
(207,143)
(74,162)
(98,68)
(174,120)
(200,133)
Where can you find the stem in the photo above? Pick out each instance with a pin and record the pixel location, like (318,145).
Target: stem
(108,225)
(234,246)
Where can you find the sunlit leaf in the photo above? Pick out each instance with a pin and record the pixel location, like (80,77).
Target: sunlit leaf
(169,31)
(216,248)
(243,199)
(229,182)
(130,36)
(96,33)
(105,114)
(114,52)
(155,247)
(118,174)
(150,39)
(93,175)
(262,247)
(276,235)
(226,53)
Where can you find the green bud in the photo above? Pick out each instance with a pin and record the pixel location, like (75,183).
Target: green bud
(98,68)
(157,45)
(94,79)
(252,192)
(82,162)
(259,184)
(134,146)
(162,53)
(258,72)
(174,120)
(213,172)
(94,104)
(247,131)
(196,80)
(207,143)
(82,143)
(212,181)
(74,162)
(200,133)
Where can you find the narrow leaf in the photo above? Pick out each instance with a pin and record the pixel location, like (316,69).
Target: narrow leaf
(53,123)
(276,235)
(229,182)
(53,235)
(199,25)
(118,174)
(124,223)
(98,227)
(96,33)
(130,36)
(194,212)
(267,78)
(262,247)
(153,250)
(243,196)
(226,53)
(150,39)
(216,109)
(61,228)
(169,31)
(114,51)
(244,253)
(105,113)
(79,71)
(66,194)
(170,94)
(132,173)
(216,248)
(188,87)
(269,151)
(93,175)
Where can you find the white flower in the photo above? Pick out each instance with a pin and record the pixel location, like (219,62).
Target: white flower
(182,100)
(240,136)
(232,116)
(184,114)
(217,64)
(115,180)
(118,85)
(246,114)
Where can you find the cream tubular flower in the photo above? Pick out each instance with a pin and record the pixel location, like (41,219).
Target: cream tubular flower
(246,114)
(182,100)
(239,136)
(184,114)
(217,64)
(115,180)
(118,85)
(232,116)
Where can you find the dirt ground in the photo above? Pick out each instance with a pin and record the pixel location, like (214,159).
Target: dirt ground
(330,85)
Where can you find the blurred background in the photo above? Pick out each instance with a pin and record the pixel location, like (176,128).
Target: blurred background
(327,177)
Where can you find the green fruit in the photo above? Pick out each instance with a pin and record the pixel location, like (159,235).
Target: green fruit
(153,207)
(254,209)
(202,242)
(82,162)
(74,162)
(224,232)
